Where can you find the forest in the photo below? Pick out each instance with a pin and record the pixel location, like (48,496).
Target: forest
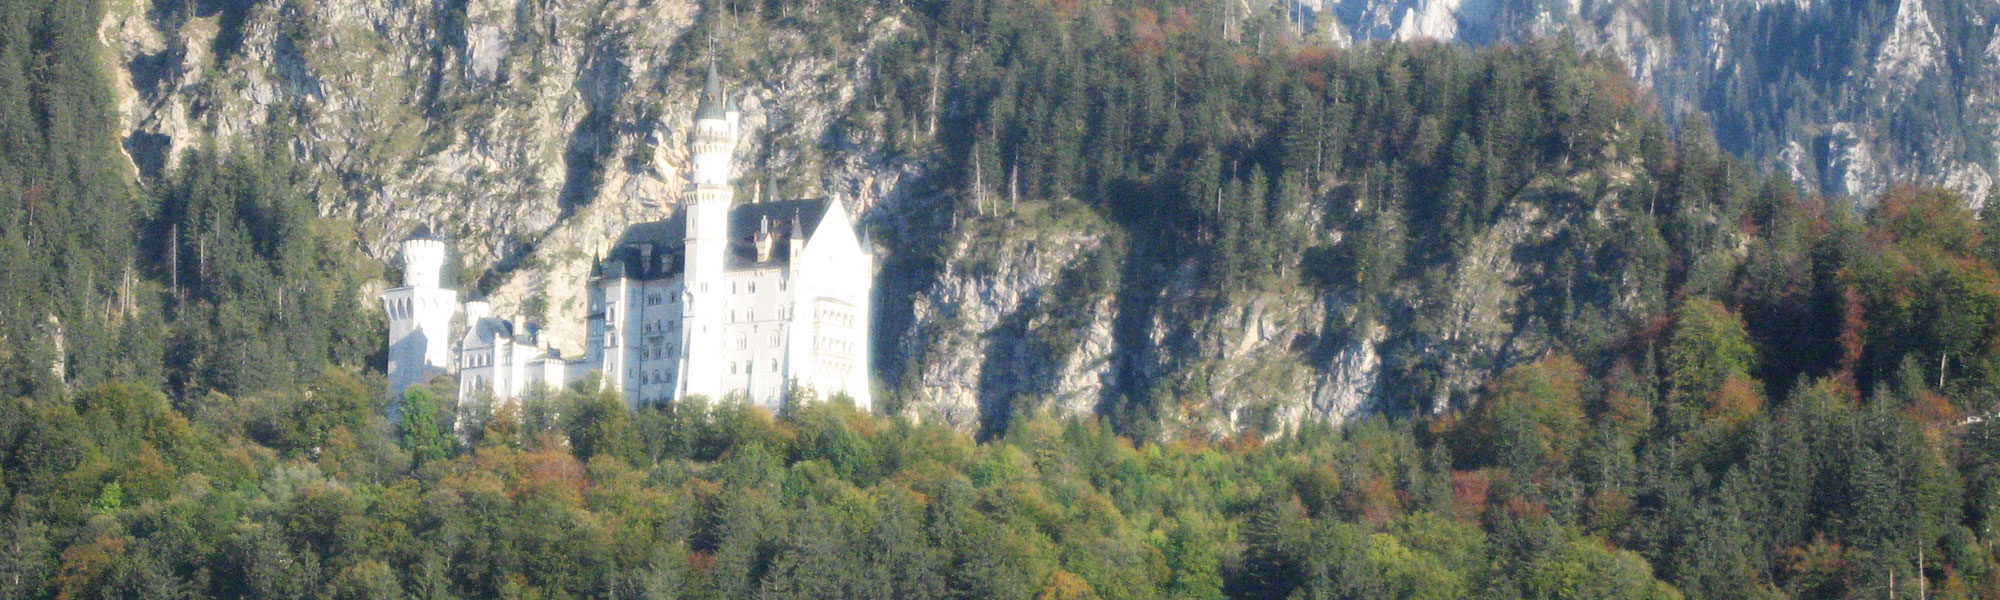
(1751,392)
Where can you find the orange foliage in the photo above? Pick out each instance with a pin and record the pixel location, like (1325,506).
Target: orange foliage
(1628,414)
(1375,500)
(1547,393)
(1523,508)
(1148,37)
(1621,92)
(1735,402)
(1067,9)
(148,477)
(1444,425)
(551,471)
(1310,57)
(1244,442)
(1180,21)
(1064,585)
(1853,329)
(83,563)
(1470,492)
(1950,586)
(701,561)
(1934,412)
(1819,566)
(1934,215)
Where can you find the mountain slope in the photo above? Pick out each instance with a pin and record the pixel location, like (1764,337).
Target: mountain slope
(1181,215)
(1845,96)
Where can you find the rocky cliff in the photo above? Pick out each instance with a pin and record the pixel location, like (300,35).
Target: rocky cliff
(528,132)
(532,131)
(1846,96)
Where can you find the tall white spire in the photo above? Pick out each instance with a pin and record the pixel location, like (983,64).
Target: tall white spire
(706,205)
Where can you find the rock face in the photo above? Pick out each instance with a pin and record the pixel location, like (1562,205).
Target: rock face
(1019,317)
(529,132)
(1846,96)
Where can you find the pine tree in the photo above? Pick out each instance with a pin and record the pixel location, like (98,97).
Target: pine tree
(425,429)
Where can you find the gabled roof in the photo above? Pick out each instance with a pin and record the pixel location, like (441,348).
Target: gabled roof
(489,329)
(628,258)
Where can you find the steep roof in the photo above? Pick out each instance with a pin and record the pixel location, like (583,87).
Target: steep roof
(629,258)
(492,329)
(713,105)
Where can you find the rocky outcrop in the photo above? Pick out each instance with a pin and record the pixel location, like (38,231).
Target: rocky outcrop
(1709,57)
(1019,317)
(528,131)
(533,131)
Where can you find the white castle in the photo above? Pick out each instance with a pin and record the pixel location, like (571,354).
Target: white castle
(752,300)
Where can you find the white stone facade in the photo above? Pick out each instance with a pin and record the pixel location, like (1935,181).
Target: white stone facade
(727,300)
(722,301)
(420,315)
(502,359)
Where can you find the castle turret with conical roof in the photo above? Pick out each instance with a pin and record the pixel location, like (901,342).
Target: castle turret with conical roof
(706,204)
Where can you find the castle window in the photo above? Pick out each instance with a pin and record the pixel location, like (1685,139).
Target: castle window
(732,287)
(781,285)
(742,342)
(653,300)
(774,339)
(774,365)
(753,287)
(732,367)
(749,314)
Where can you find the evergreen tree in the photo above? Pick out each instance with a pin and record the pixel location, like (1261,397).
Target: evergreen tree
(425,429)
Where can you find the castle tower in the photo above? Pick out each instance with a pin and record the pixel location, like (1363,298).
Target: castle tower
(419,314)
(706,206)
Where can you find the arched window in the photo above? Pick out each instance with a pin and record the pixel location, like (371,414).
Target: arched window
(742,342)
(774,365)
(732,367)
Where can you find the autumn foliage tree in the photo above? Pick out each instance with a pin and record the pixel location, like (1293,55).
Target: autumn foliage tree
(1532,417)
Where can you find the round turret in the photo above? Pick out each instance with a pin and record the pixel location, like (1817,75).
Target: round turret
(423,259)
(715,122)
(476,310)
